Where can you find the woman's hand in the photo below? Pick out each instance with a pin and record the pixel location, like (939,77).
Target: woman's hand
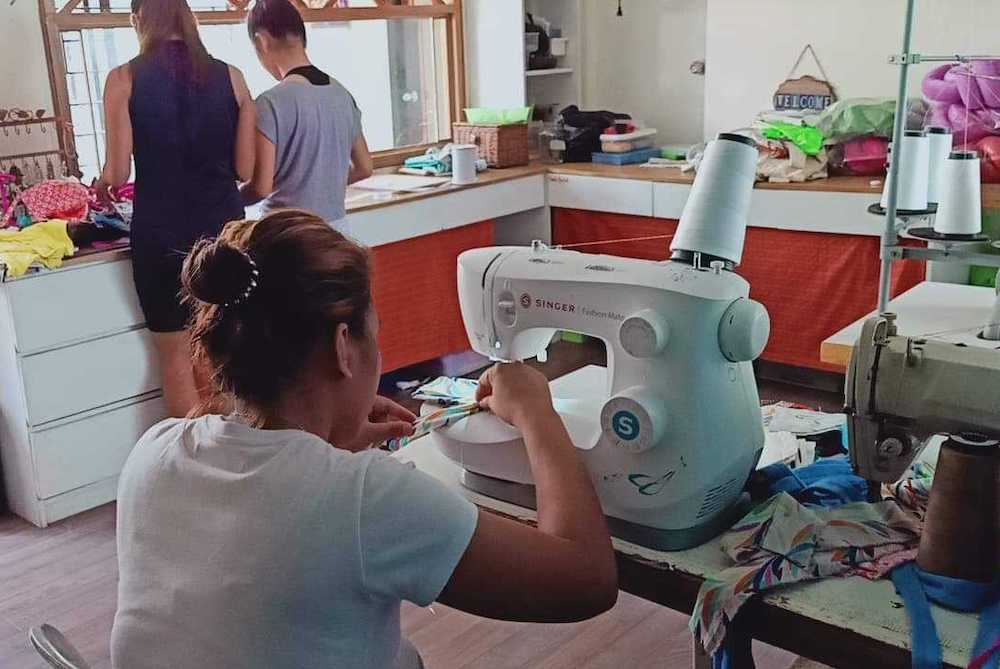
(515,392)
(387,420)
(102,189)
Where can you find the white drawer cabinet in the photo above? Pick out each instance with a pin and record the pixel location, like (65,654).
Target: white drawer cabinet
(88,375)
(72,304)
(79,384)
(73,454)
(622,196)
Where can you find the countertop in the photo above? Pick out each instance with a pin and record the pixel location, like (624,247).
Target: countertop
(873,185)
(942,311)
(487,178)
(990,192)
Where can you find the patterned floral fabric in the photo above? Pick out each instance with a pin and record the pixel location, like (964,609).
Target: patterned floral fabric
(66,200)
(783,542)
(913,492)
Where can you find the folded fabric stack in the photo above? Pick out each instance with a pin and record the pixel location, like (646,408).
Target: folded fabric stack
(433,163)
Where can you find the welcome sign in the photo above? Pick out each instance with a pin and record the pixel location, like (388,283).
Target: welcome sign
(807,92)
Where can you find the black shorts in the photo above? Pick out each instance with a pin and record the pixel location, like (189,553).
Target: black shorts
(157,276)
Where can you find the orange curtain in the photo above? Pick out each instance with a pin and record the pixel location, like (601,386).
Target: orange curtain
(415,292)
(813,284)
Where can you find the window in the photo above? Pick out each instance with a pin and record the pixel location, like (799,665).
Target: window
(401,61)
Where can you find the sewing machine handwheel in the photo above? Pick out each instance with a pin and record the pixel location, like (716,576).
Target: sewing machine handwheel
(744,330)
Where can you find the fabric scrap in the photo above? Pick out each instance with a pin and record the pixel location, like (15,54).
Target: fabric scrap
(447,390)
(783,542)
(799,420)
(47,242)
(797,167)
(914,491)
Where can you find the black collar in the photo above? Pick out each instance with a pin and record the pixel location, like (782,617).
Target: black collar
(312,74)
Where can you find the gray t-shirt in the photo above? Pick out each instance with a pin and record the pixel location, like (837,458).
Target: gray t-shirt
(245,548)
(312,128)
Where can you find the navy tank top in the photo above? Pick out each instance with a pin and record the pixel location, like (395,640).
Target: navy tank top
(184,136)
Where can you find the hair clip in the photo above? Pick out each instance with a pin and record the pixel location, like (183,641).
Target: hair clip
(251,285)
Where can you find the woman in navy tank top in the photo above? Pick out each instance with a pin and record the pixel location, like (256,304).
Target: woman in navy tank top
(188,121)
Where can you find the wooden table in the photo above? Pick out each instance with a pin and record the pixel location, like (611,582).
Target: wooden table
(846,623)
(949,311)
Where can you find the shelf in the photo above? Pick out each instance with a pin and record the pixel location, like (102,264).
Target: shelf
(544,73)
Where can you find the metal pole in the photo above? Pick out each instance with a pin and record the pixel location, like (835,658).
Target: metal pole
(950,58)
(899,123)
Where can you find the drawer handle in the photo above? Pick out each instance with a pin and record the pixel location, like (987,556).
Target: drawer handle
(558,179)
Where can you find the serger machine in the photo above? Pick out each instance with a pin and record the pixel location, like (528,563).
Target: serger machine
(672,429)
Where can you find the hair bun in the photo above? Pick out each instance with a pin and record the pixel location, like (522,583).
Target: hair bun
(216,272)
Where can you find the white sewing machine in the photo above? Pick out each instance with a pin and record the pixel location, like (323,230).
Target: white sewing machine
(672,429)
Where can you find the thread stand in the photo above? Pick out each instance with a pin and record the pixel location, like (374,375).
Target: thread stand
(891,250)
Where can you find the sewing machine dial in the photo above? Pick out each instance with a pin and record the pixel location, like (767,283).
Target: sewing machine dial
(643,335)
(632,422)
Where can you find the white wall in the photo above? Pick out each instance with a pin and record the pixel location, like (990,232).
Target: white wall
(24,77)
(752,45)
(494,52)
(639,63)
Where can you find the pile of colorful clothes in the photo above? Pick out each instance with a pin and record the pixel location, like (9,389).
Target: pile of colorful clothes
(47,221)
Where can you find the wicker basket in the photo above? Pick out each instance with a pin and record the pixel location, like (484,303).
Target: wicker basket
(499,145)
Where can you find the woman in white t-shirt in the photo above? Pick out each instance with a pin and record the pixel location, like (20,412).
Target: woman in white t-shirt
(275,537)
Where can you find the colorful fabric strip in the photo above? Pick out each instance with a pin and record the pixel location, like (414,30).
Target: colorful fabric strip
(434,421)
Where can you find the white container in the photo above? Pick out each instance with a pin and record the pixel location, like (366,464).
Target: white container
(960,210)
(939,140)
(914,158)
(642,138)
(557,45)
(463,163)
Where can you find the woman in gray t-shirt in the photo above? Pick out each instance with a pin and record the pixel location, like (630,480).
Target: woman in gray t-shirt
(310,145)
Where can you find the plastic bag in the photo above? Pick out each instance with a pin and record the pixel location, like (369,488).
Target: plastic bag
(807,138)
(851,118)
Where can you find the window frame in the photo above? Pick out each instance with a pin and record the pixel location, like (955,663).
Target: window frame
(55,22)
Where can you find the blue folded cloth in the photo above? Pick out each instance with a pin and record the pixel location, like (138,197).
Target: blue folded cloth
(828,482)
